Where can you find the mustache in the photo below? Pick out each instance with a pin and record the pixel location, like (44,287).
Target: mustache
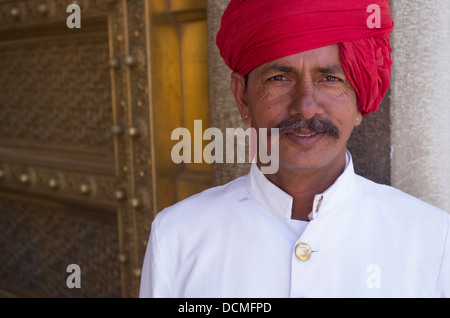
(315,124)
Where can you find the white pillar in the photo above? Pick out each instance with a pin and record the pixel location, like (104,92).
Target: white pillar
(420,100)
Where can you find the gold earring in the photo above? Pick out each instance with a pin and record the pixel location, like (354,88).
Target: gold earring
(245,117)
(358,118)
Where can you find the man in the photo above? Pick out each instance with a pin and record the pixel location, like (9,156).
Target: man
(314,228)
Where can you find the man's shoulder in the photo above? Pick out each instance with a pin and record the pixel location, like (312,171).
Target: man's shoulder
(397,201)
(208,203)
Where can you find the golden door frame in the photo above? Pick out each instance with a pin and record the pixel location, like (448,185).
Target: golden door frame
(85,158)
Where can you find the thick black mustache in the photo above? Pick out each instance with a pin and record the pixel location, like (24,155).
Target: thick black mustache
(316,125)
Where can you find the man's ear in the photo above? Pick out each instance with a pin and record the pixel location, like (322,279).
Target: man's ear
(238,88)
(358,119)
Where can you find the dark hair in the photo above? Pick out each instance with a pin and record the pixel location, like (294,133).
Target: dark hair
(246,81)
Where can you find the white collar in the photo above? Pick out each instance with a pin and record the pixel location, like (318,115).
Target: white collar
(279,202)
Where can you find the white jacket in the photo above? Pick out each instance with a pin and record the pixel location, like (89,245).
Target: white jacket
(238,240)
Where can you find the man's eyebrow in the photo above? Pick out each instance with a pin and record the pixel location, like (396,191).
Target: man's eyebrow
(329,69)
(280,68)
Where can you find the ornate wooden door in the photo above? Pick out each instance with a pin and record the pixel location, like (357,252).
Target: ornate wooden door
(85,121)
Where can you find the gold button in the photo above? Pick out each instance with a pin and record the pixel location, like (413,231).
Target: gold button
(303,251)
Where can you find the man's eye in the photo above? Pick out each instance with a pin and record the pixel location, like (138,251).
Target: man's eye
(331,79)
(277,78)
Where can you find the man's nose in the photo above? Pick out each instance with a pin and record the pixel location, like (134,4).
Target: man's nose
(304,104)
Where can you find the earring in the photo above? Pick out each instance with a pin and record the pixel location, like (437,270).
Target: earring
(245,117)
(358,119)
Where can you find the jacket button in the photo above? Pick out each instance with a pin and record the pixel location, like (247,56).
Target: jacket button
(303,251)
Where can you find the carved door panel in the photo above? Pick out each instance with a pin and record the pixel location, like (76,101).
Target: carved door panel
(85,123)
(61,168)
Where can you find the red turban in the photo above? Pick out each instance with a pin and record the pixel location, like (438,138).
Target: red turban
(255,32)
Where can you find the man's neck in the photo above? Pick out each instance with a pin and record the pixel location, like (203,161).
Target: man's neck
(304,185)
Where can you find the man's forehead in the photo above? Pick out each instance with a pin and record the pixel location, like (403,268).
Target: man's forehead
(322,63)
